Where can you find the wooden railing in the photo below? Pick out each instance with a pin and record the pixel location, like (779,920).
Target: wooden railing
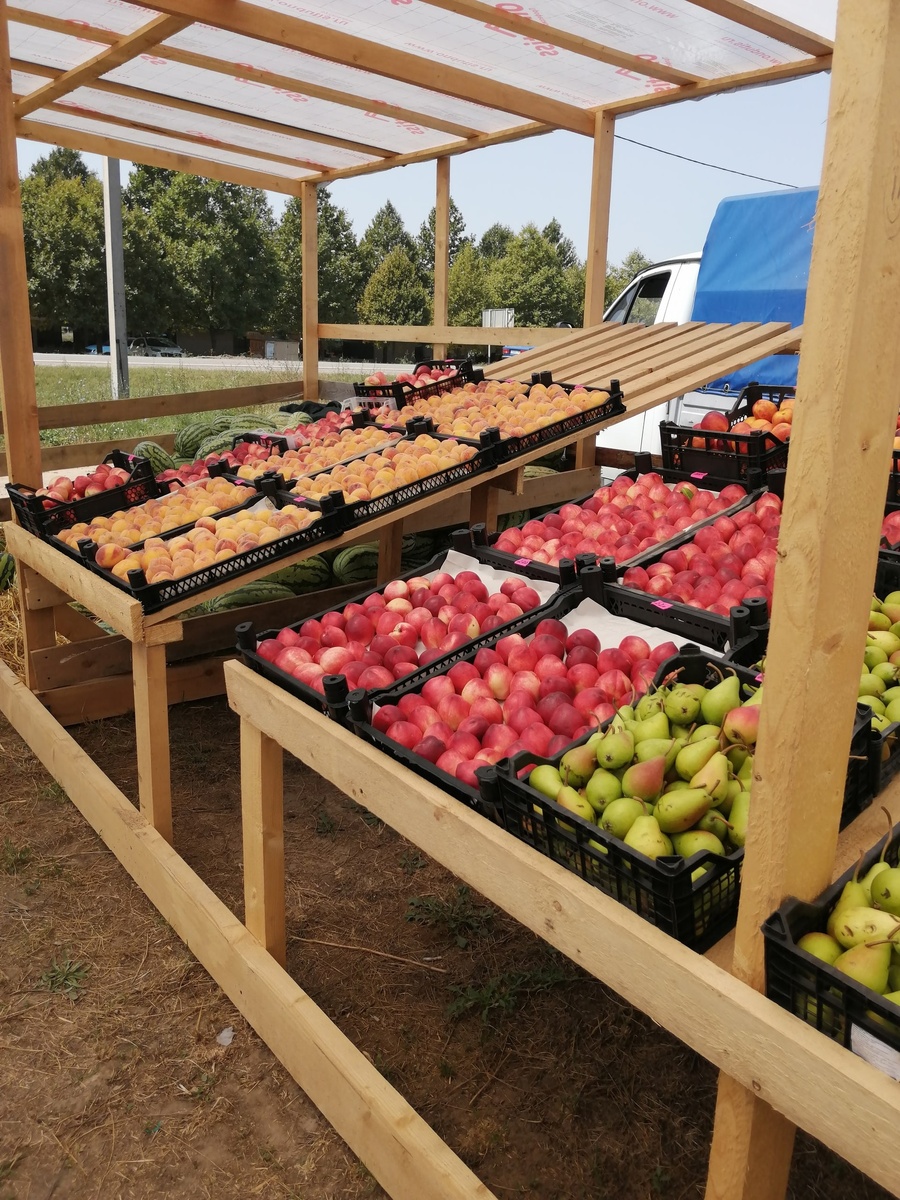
(456,335)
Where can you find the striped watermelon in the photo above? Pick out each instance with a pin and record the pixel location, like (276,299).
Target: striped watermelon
(509,520)
(7,571)
(216,443)
(251,593)
(189,437)
(356,564)
(159,459)
(536,472)
(308,576)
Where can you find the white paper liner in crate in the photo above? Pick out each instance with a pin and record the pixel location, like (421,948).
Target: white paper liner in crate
(491,576)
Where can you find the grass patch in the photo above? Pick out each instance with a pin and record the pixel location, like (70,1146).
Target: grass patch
(504,994)
(462,917)
(14,858)
(66,977)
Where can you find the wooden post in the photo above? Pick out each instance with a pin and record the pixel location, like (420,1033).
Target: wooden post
(390,551)
(262,819)
(309,221)
(441,249)
(484,505)
(151,727)
(39,623)
(18,399)
(823,582)
(115,279)
(598,226)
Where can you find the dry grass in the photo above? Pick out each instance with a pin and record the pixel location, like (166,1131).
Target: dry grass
(11,650)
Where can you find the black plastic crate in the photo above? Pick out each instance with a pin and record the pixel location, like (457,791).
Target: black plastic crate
(507,448)
(223,468)
(334,700)
(155,596)
(892,503)
(401,392)
(812,990)
(356,512)
(715,464)
(45,522)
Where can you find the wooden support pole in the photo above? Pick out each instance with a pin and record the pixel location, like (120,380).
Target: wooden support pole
(115,279)
(441,249)
(390,551)
(484,505)
(823,581)
(598,226)
(262,818)
(309,223)
(586,452)
(151,726)
(39,626)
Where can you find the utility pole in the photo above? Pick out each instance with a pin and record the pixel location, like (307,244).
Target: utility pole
(115,277)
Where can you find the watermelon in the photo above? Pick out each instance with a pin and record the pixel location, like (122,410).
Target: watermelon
(217,443)
(310,575)
(7,571)
(356,564)
(418,549)
(509,520)
(251,593)
(159,459)
(189,437)
(536,472)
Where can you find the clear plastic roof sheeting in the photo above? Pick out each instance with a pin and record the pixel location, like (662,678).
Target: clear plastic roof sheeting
(292,90)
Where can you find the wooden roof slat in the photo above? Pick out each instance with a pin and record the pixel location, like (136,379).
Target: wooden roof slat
(766,23)
(152,156)
(220,66)
(513,22)
(596,337)
(238,16)
(85,73)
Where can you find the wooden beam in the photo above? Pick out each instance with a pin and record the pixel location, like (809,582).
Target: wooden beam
(309,238)
(517,22)
(406,1156)
(466,335)
(86,73)
(239,16)
(790,1064)
(768,24)
(823,580)
(151,156)
(441,248)
(151,728)
(598,221)
(262,825)
(18,399)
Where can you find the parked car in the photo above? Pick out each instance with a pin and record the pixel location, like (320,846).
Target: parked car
(155,346)
(92,349)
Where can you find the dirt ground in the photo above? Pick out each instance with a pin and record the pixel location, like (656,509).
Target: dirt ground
(113,1082)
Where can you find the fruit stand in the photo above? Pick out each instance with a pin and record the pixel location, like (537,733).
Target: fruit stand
(775,1068)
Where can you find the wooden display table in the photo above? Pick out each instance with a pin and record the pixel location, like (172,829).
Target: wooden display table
(816,1083)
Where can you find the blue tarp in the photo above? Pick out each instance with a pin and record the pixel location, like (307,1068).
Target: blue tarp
(755,267)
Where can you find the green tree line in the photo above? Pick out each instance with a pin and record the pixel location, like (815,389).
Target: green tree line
(205,256)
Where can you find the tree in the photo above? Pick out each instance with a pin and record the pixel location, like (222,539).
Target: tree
(565,247)
(394,294)
(152,294)
(468,288)
(62,214)
(340,270)
(386,232)
(219,240)
(618,278)
(528,278)
(425,241)
(495,241)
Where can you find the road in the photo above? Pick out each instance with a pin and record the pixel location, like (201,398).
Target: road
(222,363)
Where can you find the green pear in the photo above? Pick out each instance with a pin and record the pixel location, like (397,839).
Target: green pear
(871,685)
(626,713)
(721,700)
(695,840)
(889,642)
(887,671)
(694,757)
(577,766)
(614,750)
(697,690)
(647,838)
(891,598)
(853,895)
(714,778)
(892,710)
(875,605)
(873,656)
(867,964)
(568,798)
(864,924)
(745,773)
(700,732)
(645,780)
(894,996)
(894,975)
(822,946)
(889,694)
(756,696)
(619,816)
(881,723)
(651,704)
(739,815)
(714,822)
(681,707)
(891,611)
(677,785)
(656,726)
(678,811)
(545,779)
(737,756)
(654,747)
(873,702)
(602,788)
(878,621)
(885,889)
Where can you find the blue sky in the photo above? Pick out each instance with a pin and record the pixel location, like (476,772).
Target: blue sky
(660,204)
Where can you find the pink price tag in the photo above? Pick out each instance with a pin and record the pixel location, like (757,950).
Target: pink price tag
(759,679)
(698,474)
(299,499)
(661,604)
(523,562)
